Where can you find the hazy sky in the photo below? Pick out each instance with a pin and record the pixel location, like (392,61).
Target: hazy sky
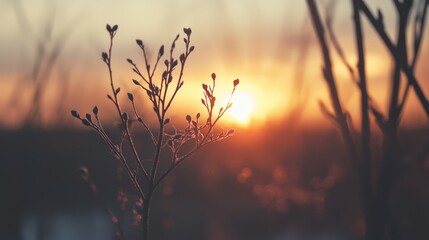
(268,44)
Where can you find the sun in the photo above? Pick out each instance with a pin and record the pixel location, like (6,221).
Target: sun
(242,108)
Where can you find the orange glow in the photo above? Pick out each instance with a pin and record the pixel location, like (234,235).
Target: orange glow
(242,108)
(279,79)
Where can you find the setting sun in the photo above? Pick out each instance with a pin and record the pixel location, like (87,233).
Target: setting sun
(242,108)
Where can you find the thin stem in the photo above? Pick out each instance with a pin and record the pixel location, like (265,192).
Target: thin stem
(419,27)
(182,68)
(393,51)
(329,77)
(118,108)
(157,152)
(140,120)
(403,12)
(145,216)
(366,169)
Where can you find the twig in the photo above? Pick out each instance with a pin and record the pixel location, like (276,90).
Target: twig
(393,51)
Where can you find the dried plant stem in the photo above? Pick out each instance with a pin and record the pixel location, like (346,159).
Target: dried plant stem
(161,95)
(375,182)
(340,116)
(118,108)
(366,167)
(378,26)
(419,26)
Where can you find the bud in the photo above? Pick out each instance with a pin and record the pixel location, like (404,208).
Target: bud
(139,42)
(164,75)
(130,96)
(161,51)
(236,82)
(88,117)
(75,114)
(230,132)
(220,110)
(95,110)
(214,76)
(187,31)
(166,121)
(104,56)
(136,82)
(188,118)
(85,122)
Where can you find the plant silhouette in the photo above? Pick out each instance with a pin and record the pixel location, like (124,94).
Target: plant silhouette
(376,178)
(179,144)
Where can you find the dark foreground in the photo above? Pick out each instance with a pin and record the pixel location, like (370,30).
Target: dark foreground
(270,184)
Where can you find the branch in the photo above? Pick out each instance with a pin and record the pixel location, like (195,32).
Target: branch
(330,80)
(393,51)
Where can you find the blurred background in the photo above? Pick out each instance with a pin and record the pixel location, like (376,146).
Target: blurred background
(282,176)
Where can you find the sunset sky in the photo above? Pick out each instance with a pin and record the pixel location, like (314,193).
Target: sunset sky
(269,45)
